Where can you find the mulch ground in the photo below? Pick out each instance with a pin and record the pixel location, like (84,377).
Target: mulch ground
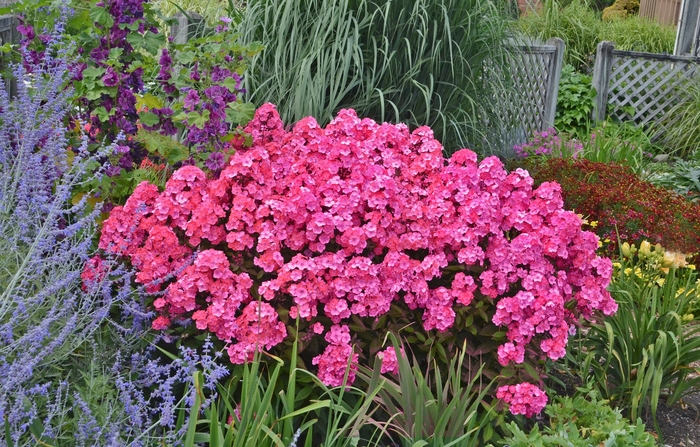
(679,424)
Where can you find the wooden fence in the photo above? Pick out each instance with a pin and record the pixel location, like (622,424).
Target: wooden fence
(8,33)
(641,87)
(536,71)
(688,34)
(665,12)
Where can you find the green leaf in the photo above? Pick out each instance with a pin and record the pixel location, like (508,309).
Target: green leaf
(162,145)
(93,94)
(114,53)
(135,39)
(148,118)
(101,16)
(240,112)
(185,57)
(149,101)
(102,113)
(198,119)
(93,72)
(152,42)
(231,84)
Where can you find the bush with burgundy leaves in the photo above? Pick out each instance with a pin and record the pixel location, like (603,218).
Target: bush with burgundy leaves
(623,204)
(336,236)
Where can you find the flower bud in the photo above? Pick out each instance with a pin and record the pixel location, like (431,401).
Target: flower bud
(645,248)
(626,250)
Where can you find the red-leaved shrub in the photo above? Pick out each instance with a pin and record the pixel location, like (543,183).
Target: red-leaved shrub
(619,200)
(361,226)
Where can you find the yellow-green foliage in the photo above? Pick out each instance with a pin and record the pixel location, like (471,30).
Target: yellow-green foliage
(621,9)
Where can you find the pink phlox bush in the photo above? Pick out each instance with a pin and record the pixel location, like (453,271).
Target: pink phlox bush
(346,221)
(523,398)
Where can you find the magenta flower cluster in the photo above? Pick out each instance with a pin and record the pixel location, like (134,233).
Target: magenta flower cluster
(346,221)
(523,398)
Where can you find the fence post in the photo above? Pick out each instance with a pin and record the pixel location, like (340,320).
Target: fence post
(686,27)
(186,27)
(550,107)
(601,78)
(8,34)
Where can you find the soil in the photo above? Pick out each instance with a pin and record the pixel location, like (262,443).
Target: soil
(679,424)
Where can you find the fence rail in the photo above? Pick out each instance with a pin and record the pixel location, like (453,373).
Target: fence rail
(641,87)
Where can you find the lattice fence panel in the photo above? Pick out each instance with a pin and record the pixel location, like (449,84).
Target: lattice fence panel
(531,69)
(533,72)
(644,89)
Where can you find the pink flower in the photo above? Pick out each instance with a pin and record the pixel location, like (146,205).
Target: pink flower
(389,360)
(160,323)
(347,221)
(523,398)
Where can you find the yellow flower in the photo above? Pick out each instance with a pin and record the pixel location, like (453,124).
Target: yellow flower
(626,250)
(645,248)
(593,224)
(675,260)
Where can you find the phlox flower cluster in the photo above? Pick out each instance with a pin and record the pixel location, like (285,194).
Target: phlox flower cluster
(548,143)
(347,221)
(523,398)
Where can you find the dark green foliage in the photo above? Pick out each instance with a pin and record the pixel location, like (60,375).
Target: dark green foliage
(575,101)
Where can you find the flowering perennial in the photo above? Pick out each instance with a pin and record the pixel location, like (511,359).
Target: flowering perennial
(523,398)
(347,221)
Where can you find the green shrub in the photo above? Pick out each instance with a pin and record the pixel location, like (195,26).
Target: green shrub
(210,10)
(682,176)
(637,33)
(581,422)
(624,144)
(439,411)
(421,63)
(621,9)
(575,101)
